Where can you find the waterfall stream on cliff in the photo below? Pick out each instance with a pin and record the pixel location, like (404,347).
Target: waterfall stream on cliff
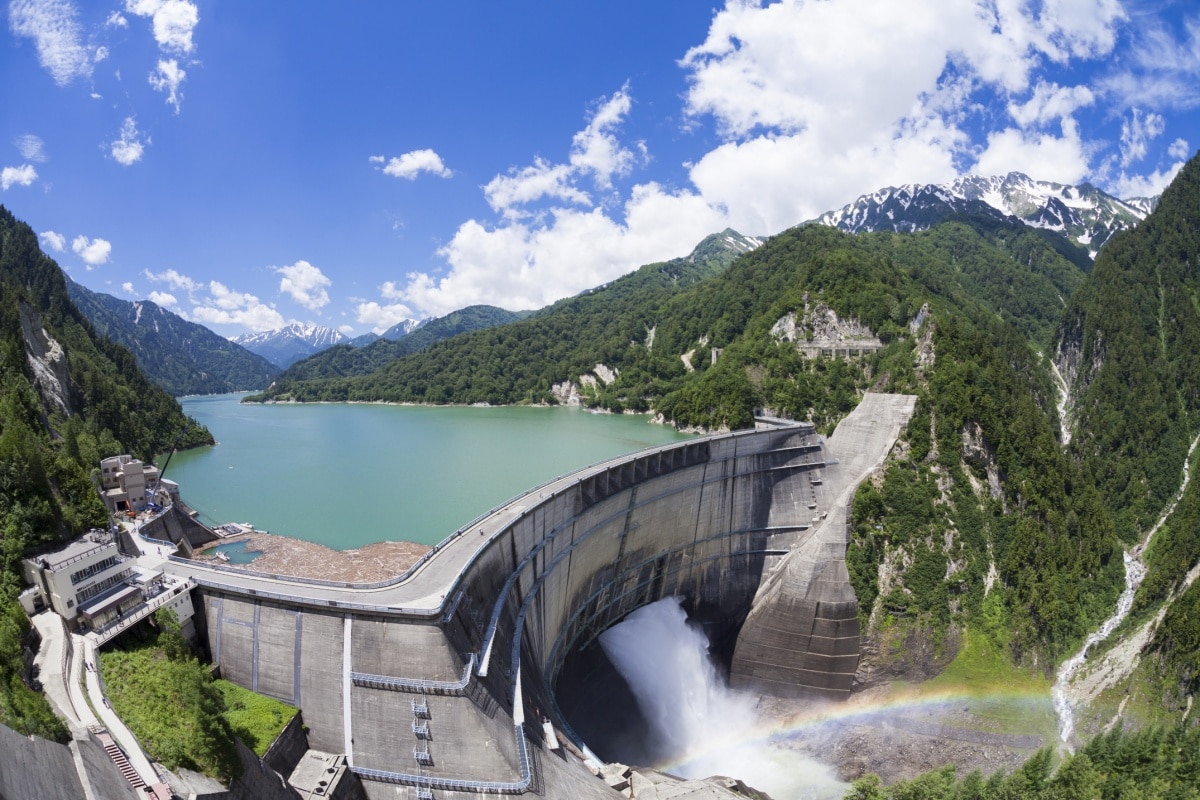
(1135,571)
(698,726)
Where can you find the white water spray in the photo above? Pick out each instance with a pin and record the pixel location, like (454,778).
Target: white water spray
(697,724)
(1135,571)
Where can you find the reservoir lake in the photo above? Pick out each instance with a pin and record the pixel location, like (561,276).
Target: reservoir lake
(347,475)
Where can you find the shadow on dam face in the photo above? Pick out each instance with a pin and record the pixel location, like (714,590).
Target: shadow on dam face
(599,704)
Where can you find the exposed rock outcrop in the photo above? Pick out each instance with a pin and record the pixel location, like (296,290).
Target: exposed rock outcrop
(820,331)
(48,361)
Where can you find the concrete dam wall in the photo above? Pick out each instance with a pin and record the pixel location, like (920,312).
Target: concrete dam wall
(428,681)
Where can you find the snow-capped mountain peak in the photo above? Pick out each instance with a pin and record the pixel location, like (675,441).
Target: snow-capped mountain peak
(1083,212)
(287,345)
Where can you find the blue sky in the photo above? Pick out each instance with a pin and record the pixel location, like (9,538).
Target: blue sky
(252,164)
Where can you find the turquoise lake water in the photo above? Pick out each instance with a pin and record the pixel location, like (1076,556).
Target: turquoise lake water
(349,475)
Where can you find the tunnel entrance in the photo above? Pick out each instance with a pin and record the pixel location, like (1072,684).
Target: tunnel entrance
(598,703)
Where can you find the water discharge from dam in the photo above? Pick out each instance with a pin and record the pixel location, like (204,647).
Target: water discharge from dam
(695,726)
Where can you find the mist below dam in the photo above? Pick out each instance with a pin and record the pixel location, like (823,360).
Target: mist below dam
(665,703)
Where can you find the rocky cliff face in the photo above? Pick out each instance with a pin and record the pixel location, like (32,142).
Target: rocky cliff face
(820,331)
(48,361)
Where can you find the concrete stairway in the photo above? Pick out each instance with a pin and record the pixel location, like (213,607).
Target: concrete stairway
(118,757)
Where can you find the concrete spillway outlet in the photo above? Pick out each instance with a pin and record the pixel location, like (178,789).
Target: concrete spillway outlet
(598,704)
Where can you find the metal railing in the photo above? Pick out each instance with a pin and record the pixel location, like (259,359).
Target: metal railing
(417,685)
(106,634)
(73,559)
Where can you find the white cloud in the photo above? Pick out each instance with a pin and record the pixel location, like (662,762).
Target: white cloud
(115,20)
(55,241)
(167,77)
(1136,134)
(94,252)
(225,306)
(595,153)
(173,22)
(128,149)
(769,183)
(1179,149)
(1063,159)
(412,164)
(1050,102)
(595,149)
(1126,186)
(820,102)
(23,175)
(1160,70)
(175,280)
(381,317)
(127,287)
(31,147)
(55,30)
(214,303)
(537,181)
(520,265)
(305,283)
(100,55)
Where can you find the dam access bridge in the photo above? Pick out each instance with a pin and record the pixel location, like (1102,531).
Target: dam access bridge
(443,679)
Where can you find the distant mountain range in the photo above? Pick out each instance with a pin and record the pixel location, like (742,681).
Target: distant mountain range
(1083,213)
(180,356)
(400,340)
(285,346)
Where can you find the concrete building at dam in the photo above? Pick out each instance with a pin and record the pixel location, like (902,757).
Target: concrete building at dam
(443,682)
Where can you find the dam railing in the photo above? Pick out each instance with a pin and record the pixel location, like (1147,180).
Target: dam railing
(417,685)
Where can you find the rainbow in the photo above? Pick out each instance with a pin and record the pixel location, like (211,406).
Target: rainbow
(861,710)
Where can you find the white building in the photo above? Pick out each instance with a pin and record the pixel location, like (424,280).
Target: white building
(88,582)
(127,484)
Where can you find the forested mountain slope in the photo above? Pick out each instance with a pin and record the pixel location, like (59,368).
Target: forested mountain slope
(180,356)
(67,399)
(1128,348)
(653,332)
(520,362)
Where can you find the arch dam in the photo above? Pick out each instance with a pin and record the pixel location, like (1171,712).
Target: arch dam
(444,678)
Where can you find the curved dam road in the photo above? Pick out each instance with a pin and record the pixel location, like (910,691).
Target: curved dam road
(427,681)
